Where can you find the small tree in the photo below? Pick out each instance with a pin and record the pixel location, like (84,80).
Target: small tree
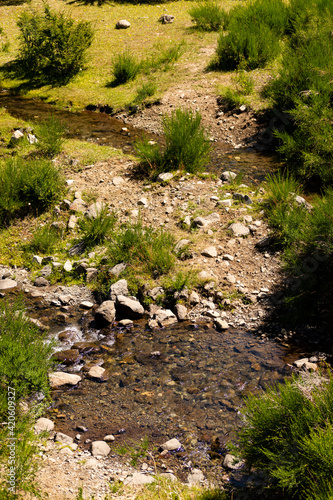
(52,45)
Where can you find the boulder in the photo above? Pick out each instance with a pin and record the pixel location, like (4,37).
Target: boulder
(165,176)
(100,448)
(231,462)
(58,379)
(7,283)
(196,476)
(228,176)
(221,325)
(118,288)
(166,19)
(44,424)
(181,312)
(239,229)
(138,478)
(63,438)
(41,282)
(165,317)
(106,313)
(129,307)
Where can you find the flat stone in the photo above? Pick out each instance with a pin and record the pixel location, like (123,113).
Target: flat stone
(117,269)
(109,438)
(58,379)
(125,322)
(97,372)
(224,203)
(118,181)
(85,304)
(209,252)
(155,292)
(67,357)
(41,282)
(166,19)
(143,202)
(239,229)
(68,266)
(63,438)
(165,176)
(7,283)
(196,476)
(221,324)
(171,445)
(37,259)
(44,424)
(138,478)
(100,448)
(78,205)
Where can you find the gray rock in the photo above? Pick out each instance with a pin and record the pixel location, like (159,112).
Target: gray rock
(305,364)
(117,269)
(209,252)
(125,322)
(7,283)
(181,245)
(194,298)
(44,424)
(206,221)
(232,463)
(224,203)
(138,478)
(117,181)
(92,274)
(38,259)
(181,312)
(128,307)
(46,271)
(94,210)
(143,202)
(68,266)
(221,325)
(58,379)
(77,249)
(63,438)
(228,176)
(100,448)
(165,176)
(109,438)
(239,229)
(106,313)
(195,477)
(155,292)
(40,282)
(72,222)
(78,205)
(123,24)
(85,304)
(17,136)
(118,288)
(165,317)
(166,19)
(97,372)
(171,445)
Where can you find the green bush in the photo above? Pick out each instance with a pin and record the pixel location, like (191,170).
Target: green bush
(50,135)
(186,145)
(143,248)
(125,67)
(28,185)
(95,230)
(147,89)
(247,45)
(208,16)
(288,433)
(52,46)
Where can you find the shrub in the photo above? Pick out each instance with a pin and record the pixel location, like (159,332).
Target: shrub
(50,134)
(27,185)
(96,229)
(143,248)
(187,146)
(52,46)
(208,16)
(248,45)
(288,433)
(125,68)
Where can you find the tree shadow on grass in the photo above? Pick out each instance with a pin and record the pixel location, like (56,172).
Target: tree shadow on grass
(9,3)
(26,80)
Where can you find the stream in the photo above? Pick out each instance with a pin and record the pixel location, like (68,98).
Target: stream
(187,381)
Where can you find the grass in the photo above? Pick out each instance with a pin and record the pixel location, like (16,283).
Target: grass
(125,68)
(145,36)
(44,240)
(208,16)
(288,433)
(50,135)
(95,230)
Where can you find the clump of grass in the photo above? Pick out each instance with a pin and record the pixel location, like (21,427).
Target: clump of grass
(208,15)
(44,239)
(147,89)
(164,58)
(95,230)
(244,82)
(187,146)
(28,185)
(143,248)
(50,135)
(288,433)
(125,67)
(230,98)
